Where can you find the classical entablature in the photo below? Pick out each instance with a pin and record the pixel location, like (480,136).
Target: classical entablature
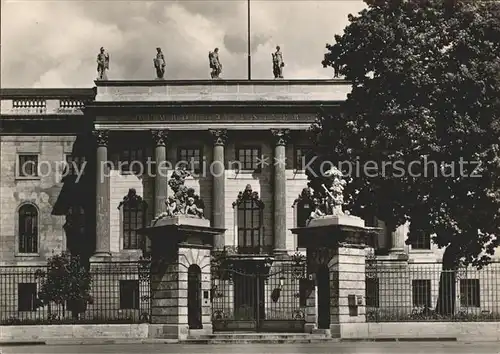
(223,91)
(202,104)
(181,105)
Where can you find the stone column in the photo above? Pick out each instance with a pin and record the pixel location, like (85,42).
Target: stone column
(218,187)
(102,195)
(161,186)
(398,240)
(279,193)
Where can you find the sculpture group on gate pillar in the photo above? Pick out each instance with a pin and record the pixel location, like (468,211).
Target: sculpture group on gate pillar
(185,201)
(328,199)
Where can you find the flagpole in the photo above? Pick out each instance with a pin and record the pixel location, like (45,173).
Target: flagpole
(248,40)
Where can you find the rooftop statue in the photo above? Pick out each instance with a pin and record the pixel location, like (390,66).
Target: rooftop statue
(185,201)
(278,63)
(215,65)
(102,64)
(160,64)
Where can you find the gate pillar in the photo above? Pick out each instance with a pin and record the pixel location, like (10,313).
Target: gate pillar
(181,248)
(336,245)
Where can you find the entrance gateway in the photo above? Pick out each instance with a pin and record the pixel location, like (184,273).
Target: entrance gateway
(258,295)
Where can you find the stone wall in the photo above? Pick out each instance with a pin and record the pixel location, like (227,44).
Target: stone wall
(104,331)
(43,192)
(461,331)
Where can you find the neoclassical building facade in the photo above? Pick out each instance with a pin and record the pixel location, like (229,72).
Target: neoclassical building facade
(84,169)
(84,152)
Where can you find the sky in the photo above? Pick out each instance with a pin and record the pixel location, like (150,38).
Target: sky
(55,43)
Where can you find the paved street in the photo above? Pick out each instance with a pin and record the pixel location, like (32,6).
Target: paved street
(326,348)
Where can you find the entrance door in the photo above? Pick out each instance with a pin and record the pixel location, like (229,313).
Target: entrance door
(249,299)
(194,297)
(323,282)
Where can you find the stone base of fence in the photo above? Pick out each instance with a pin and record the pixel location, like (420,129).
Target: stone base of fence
(49,332)
(460,331)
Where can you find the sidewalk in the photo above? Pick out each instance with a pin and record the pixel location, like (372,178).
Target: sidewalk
(77,341)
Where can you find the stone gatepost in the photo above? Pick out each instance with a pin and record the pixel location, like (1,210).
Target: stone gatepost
(336,255)
(180,277)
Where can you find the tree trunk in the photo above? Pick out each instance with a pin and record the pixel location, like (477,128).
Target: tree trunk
(447,284)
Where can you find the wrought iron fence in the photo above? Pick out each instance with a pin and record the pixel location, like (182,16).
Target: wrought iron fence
(268,293)
(425,292)
(119,293)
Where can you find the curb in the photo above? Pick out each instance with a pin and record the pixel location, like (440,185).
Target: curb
(58,342)
(88,342)
(402,339)
(18,344)
(220,341)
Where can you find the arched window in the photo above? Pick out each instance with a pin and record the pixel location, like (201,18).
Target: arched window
(133,218)
(249,223)
(28,229)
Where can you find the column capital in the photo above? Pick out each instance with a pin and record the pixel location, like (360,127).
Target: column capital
(101,137)
(219,136)
(281,136)
(159,137)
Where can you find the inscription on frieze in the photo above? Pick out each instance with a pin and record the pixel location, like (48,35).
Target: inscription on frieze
(226,117)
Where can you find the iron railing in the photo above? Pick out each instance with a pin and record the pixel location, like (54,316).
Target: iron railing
(249,298)
(119,293)
(397,291)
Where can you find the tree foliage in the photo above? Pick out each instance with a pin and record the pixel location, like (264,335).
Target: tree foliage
(66,281)
(426,88)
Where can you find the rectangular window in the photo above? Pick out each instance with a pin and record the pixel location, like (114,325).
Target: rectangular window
(372,292)
(131,161)
(423,242)
(26,296)
(249,158)
(421,290)
(302,156)
(190,158)
(74,165)
(129,294)
(28,166)
(470,293)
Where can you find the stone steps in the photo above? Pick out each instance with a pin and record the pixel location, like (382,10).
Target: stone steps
(263,338)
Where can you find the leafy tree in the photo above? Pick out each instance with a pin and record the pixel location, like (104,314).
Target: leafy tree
(426,88)
(66,282)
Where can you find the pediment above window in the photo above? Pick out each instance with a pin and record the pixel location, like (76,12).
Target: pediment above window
(132,200)
(248,195)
